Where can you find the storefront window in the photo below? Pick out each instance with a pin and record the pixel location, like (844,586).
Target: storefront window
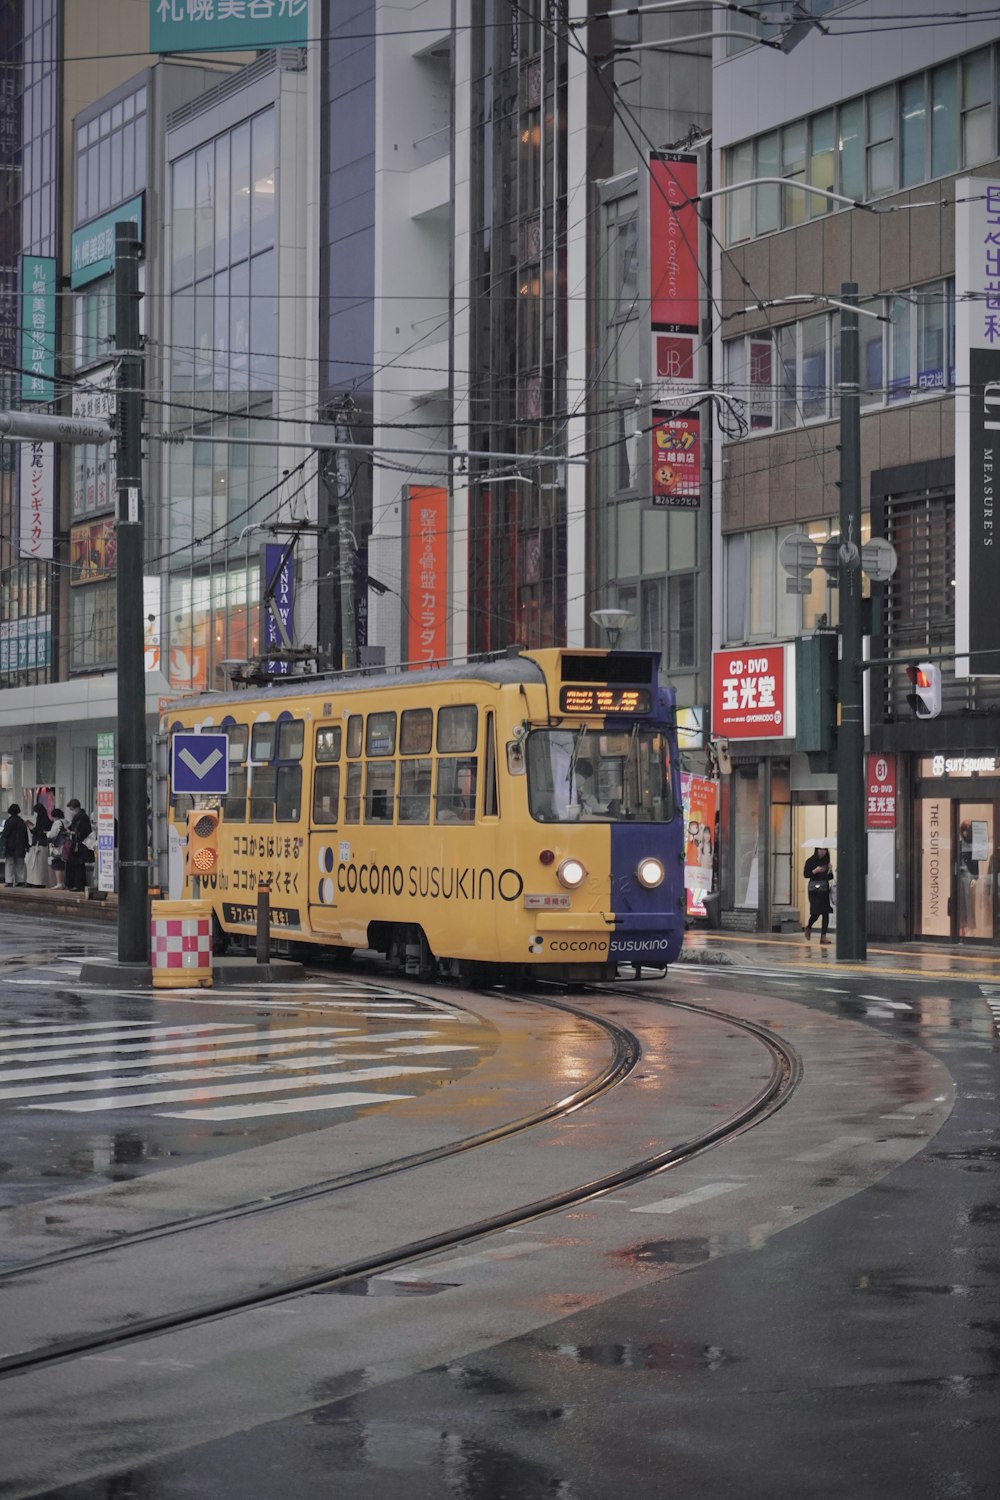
(745,836)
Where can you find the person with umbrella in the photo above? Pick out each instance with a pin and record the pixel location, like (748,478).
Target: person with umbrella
(818,872)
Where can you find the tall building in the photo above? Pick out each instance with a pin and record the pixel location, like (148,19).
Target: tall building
(891,114)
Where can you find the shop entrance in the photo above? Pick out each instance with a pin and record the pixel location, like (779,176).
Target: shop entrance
(958,879)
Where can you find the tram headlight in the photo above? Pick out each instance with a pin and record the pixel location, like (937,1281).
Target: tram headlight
(571,874)
(650,873)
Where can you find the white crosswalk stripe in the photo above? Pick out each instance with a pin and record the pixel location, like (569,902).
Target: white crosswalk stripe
(225,1070)
(991,994)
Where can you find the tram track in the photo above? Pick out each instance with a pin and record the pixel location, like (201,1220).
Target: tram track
(783,1078)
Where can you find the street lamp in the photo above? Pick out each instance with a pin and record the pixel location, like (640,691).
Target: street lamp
(614,621)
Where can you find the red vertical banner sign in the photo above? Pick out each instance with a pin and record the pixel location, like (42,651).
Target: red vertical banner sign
(880,798)
(427,575)
(673,242)
(674,313)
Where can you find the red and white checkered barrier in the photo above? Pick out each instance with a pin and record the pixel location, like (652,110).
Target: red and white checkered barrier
(181,944)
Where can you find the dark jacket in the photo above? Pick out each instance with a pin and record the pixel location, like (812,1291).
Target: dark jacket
(80,826)
(40,832)
(15,832)
(818,867)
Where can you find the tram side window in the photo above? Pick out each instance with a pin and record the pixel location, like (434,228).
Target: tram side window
(456,790)
(262,740)
(291,739)
(380,789)
(262,788)
(288,794)
(415,790)
(235,806)
(326,794)
(352,798)
(355,725)
(416,728)
(457,729)
(380,734)
(328,743)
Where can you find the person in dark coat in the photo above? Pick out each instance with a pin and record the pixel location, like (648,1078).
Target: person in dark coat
(38,864)
(818,872)
(80,828)
(16,839)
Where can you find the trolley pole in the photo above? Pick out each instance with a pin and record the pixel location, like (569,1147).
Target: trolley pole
(851,910)
(133,867)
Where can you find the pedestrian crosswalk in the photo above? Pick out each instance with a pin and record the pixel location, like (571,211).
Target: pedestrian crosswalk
(991,994)
(332,1048)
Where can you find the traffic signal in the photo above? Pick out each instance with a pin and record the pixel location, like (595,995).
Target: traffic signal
(202,843)
(925,699)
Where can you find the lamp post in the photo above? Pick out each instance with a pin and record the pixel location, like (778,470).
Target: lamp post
(851,892)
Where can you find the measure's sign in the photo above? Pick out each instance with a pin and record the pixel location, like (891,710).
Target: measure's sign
(750,693)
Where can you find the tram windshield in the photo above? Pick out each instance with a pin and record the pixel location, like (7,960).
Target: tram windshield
(593,776)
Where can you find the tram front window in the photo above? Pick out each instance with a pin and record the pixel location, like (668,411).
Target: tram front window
(592,775)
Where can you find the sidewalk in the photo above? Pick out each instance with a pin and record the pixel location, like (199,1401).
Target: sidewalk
(51,902)
(791,950)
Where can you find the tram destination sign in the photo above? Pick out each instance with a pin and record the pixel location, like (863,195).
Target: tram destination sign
(605,700)
(199,765)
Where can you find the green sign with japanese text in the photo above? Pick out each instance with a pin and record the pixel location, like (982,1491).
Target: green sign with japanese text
(38,327)
(227,25)
(92,247)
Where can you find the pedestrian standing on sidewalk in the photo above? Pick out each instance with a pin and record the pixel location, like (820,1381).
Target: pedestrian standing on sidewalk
(80,855)
(58,835)
(16,837)
(818,872)
(37,861)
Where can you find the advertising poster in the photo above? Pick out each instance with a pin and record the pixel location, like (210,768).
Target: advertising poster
(699,797)
(676,461)
(93,550)
(105,818)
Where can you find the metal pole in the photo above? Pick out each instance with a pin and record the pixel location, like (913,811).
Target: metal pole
(133,870)
(345,551)
(851,843)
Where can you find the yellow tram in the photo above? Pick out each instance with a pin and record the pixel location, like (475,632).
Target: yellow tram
(514,813)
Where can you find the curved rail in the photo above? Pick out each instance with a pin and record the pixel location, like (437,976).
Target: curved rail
(784,1077)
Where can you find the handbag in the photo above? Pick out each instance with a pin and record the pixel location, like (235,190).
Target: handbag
(818,886)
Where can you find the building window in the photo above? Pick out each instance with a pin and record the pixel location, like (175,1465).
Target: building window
(111,157)
(223,341)
(926,125)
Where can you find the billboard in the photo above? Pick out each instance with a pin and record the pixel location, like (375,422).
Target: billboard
(674,309)
(278,577)
(227,25)
(427,575)
(676,461)
(92,246)
(977,425)
(753,693)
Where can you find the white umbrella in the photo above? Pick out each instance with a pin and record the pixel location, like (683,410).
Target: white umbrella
(823,841)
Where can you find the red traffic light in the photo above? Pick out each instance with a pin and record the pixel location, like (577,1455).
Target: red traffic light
(925,699)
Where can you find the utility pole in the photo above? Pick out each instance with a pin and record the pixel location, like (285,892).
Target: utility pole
(133,868)
(345,535)
(851,843)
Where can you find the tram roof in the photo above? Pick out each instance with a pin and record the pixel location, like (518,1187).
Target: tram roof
(499,670)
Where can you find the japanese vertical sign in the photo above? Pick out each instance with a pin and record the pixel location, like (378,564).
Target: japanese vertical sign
(880,796)
(38,327)
(37,492)
(674,304)
(11,84)
(279,577)
(105,812)
(750,697)
(205,25)
(977,425)
(427,575)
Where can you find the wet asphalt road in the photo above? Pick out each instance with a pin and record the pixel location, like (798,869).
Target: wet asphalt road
(855,1351)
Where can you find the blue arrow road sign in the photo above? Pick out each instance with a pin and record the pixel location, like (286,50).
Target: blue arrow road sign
(199,763)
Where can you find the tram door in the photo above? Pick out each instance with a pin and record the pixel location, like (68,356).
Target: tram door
(975,870)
